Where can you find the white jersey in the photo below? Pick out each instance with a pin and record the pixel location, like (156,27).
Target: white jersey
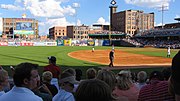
(169,51)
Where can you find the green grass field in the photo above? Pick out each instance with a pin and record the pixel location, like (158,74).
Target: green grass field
(15,55)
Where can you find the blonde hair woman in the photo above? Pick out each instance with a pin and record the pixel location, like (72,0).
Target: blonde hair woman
(3,80)
(108,77)
(125,86)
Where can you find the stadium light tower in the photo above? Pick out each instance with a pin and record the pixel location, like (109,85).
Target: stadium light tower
(75,6)
(113,8)
(162,9)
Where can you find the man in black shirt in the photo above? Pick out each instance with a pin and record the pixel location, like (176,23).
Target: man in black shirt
(111,57)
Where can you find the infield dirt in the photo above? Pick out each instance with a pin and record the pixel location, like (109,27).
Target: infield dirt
(122,59)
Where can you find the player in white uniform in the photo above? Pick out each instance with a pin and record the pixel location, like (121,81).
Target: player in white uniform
(168,52)
(93,49)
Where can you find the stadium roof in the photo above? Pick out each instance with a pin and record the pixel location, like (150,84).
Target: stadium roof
(178,19)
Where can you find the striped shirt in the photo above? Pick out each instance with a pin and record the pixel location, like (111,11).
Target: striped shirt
(155,91)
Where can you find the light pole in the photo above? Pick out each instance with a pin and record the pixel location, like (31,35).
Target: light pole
(113,8)
(76,5)
(163,8)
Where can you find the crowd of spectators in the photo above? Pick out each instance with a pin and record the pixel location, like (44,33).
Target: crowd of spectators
(109,32)
(101,85)
(160,32)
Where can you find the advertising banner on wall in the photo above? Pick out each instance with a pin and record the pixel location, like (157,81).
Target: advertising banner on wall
(100,42)
(23,32)
(90,43)
(67,42)
(83,42)
(3,43)
(39,44)
(27,43)
(60,43)
(106,43)
(24,26)
(14,43)
(96,42)
(51,43)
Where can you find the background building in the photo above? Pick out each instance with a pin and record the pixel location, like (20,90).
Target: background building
(57,32)
(78,32)
(20,27)
(131,21)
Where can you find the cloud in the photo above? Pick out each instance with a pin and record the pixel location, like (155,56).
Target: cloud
(48,23)
(76,5)
(79,22)
(10,7)
(54,10)
(48,8)
(177,16)
(102,21)
(159,24)
(150,3)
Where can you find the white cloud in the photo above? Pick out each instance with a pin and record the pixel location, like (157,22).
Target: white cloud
(48,23)
(102,21)
(177,16)
(150,3)
(79,22)
(54,10)
(159,24)
(48,8)
(76,5)
(10,7)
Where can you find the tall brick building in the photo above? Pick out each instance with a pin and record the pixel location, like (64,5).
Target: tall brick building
(16,27)
(131,21)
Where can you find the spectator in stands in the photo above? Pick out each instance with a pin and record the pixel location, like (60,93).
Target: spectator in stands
(108,77)
(66,83)
(93,90)
(3,80)
(156,90)
(78,74)
(25,79)
(54,69)
(166,73)
(176,75)
(91,73)
(46,79)
(142,77)
(43,91)
(125,86)
(73,73)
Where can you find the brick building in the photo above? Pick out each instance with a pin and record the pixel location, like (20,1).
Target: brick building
(20,27)
(57,32)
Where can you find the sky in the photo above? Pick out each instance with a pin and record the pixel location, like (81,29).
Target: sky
(51,13)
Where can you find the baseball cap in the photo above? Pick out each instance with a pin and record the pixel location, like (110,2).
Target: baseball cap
(67,77)
(156,74)
(52,58)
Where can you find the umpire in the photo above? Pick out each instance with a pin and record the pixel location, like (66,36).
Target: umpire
(111,57)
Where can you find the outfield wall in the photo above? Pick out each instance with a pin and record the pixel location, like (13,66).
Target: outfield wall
(58,43)
(70,42)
